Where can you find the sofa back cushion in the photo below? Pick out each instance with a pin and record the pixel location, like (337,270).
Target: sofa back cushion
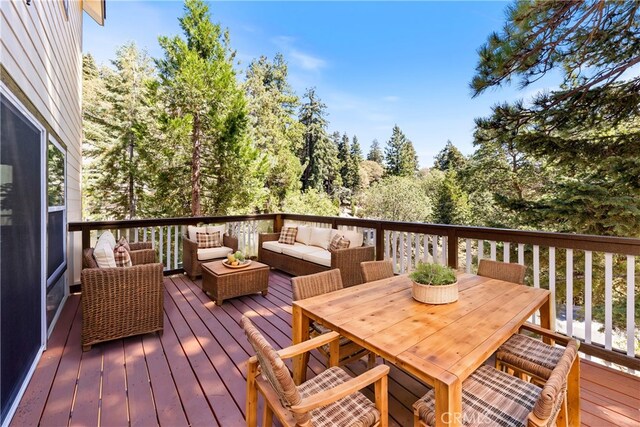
(304,234)
(355,238)
(211,229)
(192,231)
(320,237)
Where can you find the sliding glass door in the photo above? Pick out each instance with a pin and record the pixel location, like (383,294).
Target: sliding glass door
(22,237)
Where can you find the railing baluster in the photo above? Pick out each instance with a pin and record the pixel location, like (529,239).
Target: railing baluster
(608,299)
(569,292)
(536,266)
(480,250)
(521,253)
(444,250)
(506,252)
(144,234)
(168,265)
(176,233)
(468,255)
(425,244)
(394,250)
(135,234)
(588,262)
(403,252)
(631,286)
(552,286)
(153,237)
(160,246)
(434,246)
(493,250)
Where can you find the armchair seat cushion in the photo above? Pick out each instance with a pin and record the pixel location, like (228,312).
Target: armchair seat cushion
(530,355)
(319,256)
(298,250)
(213,253)
(354,410)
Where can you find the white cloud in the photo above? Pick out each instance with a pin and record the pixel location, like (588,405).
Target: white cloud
(306,61)
(391,98)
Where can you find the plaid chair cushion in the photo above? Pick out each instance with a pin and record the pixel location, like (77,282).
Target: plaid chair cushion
(288,235)
(489,397)
(352,410)
(123,241)
(122,256)
(338,242)
(208,240)
(530,355)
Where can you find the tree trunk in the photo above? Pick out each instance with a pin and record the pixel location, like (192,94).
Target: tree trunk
(195,167)
(132,200)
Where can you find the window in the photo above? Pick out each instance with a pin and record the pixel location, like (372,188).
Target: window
(56,227)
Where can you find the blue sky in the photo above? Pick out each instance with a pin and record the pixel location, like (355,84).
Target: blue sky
(374,64)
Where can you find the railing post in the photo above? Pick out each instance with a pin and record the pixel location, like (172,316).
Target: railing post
(86,237)
(452,248)
(278,223)
(379,242)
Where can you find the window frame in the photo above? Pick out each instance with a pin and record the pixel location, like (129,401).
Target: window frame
(59,271)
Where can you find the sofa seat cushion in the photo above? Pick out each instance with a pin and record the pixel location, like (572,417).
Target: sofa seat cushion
(298,250)
(275,246)
(321,257)
(212,253)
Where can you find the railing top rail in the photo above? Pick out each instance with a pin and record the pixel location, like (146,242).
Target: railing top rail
(620,245)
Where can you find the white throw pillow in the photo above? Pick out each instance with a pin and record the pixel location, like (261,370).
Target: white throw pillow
(355,238)
(219,228)
(320,237)
(103,253)
(109,237)
(304,234)
(192,230)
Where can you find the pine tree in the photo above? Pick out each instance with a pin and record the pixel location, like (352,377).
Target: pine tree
(375,152)
(400,155)
(451,204)
(274,128)
(354,166)
(198,81)
(449,158)
(344,156)
(119,160)
(318,155)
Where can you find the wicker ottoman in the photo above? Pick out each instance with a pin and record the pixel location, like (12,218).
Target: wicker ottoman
(222,283)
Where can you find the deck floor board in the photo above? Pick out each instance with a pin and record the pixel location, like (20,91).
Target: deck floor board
(195,372)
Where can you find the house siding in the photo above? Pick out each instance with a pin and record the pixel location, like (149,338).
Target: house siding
(41,57)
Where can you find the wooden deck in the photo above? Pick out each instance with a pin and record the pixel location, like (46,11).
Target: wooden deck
(194,374)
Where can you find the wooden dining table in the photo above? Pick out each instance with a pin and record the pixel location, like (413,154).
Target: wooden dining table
(441,345)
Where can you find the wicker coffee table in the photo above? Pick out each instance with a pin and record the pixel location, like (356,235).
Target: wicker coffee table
(222,282)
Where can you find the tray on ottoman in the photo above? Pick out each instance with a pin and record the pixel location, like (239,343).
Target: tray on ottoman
(222,283)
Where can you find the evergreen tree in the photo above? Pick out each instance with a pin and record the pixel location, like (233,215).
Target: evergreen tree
(375,152)
(198,81)
(400,156)
(117,143)
(354,166)
(274,128)
(449,158)
(451,204)
(319,155)
(344,156)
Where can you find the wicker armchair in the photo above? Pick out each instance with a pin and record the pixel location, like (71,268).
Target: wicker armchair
(304,287)
(191,263)
(330,398)
(376,270)
(123,301)
(496,398)
(509,272)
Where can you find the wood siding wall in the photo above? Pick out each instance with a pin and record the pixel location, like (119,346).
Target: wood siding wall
(41,55)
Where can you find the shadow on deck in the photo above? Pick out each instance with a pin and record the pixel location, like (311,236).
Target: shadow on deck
(194,374)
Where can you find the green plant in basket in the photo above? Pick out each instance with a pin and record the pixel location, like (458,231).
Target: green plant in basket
(433,274)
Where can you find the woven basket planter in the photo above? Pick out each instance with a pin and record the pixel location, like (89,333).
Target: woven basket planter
(435,294)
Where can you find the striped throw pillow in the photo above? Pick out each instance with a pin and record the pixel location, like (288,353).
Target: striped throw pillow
(338,242)
(288,235)
(123,241)
(122,256)
(208,240)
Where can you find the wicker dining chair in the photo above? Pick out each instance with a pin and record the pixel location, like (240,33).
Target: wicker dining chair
(509,272)
(524,355)
(330,398)
(493,397)
(376,270)
(318,284)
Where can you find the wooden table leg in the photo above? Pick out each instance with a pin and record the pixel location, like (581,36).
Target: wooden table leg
(573,393)
(547,318)
(448,401)
(300,333)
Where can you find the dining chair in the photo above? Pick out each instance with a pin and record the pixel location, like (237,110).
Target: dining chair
(524,355)
(492,397)
(376,270)
(330,398)
(312,285)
